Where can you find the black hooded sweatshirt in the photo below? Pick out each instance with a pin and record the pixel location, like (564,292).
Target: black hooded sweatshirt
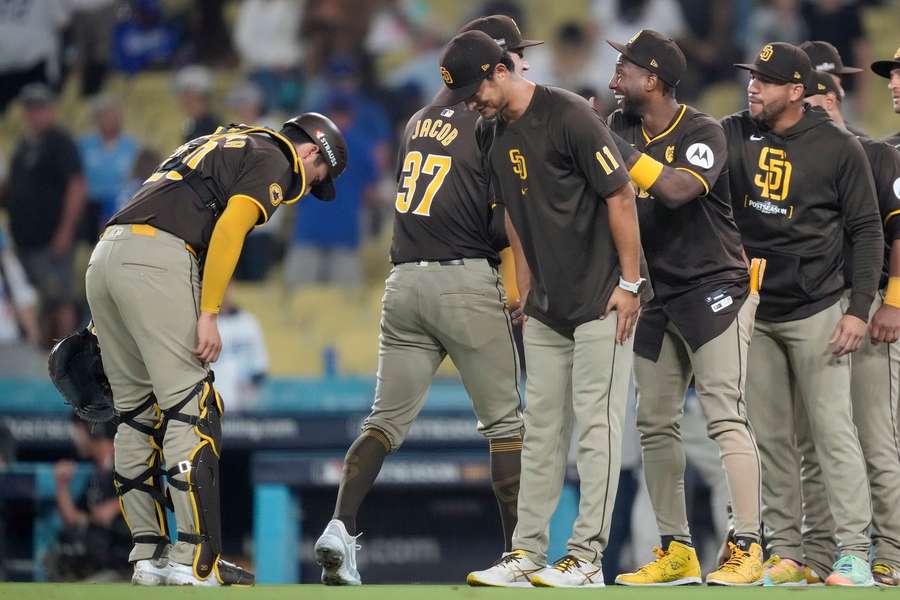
(794,195)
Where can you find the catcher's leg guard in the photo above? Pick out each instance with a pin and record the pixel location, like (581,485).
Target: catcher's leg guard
(192,447)
(138,479)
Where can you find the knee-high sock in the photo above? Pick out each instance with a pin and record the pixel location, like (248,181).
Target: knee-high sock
(361,467)
(506,465)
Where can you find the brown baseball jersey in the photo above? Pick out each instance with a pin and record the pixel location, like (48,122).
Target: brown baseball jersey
(884,161)
(693,252)
(442,207)
(793,194)
(893,140)
(257,164)
(552,169)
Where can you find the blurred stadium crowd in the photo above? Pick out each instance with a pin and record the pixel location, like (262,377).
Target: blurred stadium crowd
(121,82)
(94,93)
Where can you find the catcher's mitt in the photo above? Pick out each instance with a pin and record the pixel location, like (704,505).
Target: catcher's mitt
(77,372)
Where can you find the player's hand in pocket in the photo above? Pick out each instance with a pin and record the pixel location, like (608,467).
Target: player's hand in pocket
(847,336)
(885,325)
(627,307)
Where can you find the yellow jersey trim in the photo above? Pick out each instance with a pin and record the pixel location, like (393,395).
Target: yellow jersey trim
(298,166)
(700,179)
(674,124)
(890,215)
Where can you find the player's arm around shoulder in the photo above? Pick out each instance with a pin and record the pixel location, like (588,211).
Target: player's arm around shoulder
(696,164)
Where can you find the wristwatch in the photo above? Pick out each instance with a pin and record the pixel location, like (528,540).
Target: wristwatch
(635,287)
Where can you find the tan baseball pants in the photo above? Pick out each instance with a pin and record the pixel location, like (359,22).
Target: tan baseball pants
(719,369)
(143,288)
(790,364)
(432,311)
(875,388)
(585,377)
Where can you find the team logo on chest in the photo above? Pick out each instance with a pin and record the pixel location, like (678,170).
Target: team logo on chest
(774,182)
(518,162)
(670,153)
(774,177)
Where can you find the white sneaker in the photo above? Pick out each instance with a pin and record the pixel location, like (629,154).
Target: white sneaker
(514,569)
(150,572)
(336,554)
(179,574)
(569,571)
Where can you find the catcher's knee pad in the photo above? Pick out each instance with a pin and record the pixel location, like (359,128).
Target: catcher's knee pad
(149,481)
(198,476)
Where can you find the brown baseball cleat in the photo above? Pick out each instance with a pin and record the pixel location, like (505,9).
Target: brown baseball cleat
(885,575)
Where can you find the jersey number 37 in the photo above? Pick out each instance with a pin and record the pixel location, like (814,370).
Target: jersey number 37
(414,165)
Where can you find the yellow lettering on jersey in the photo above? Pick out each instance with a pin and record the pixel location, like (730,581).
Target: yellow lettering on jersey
(435,127)
(518,161)
(445,130)
(450,136)
(445,133)
(774,178)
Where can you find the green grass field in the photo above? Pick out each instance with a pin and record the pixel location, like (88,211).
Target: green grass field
(74,591)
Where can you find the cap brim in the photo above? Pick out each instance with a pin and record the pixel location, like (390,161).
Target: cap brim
(847,70)
(325,190)
(884,67)
(527,44)
(756,69)
(452,96)
(620,47)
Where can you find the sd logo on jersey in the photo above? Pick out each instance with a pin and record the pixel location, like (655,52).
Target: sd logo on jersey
(518,161)
(774,178)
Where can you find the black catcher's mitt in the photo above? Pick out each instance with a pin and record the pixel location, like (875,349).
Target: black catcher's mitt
(77,372)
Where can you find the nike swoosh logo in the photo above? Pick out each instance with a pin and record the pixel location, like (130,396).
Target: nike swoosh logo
(756,138)
(524,191)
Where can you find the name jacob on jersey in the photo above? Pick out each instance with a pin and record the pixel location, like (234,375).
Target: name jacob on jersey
(437,129)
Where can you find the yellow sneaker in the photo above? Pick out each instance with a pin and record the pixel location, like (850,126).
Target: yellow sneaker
(783,571)
(743,568)
(676,566)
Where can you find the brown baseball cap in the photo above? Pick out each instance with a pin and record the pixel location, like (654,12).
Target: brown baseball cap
(467,61)
(825,57)
(655,52)
(884,67)
(782,62)
(821,82)
(503,29)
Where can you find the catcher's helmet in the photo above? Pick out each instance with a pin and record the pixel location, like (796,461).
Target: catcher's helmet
(326,135)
